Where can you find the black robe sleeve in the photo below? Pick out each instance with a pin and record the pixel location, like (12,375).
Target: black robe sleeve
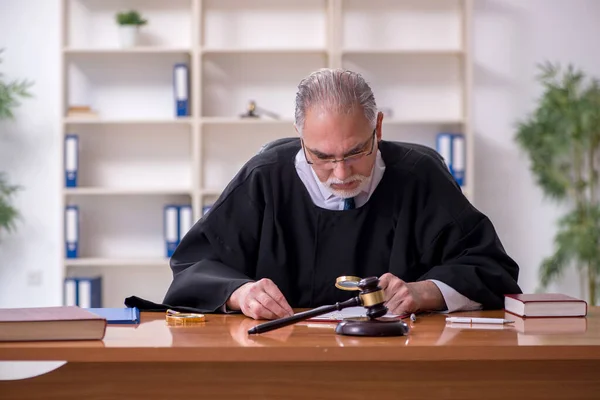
(216,256)
(458,242)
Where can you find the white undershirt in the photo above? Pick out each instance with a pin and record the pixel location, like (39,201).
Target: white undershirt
(324,198)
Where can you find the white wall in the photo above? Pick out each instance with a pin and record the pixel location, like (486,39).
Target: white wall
(510,36)
(29,269)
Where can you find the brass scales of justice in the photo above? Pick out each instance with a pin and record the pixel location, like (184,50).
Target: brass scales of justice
(370,296)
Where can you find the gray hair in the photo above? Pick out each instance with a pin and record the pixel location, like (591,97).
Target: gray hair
(336,90)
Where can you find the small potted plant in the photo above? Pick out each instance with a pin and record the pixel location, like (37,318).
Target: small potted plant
(129,23)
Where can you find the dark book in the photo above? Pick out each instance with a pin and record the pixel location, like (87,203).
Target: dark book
(544,305)
(50,323)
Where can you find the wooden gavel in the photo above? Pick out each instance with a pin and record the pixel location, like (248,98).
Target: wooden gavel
(370,296)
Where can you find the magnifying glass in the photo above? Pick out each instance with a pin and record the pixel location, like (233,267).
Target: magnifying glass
(347,282)
(179,318)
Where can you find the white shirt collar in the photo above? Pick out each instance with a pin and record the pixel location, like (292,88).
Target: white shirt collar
(323,197)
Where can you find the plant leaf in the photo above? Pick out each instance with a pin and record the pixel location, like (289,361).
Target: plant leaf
(8,214)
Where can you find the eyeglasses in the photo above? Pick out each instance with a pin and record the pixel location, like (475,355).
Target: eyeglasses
(329,163)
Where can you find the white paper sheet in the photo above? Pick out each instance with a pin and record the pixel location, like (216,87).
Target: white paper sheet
(350,312)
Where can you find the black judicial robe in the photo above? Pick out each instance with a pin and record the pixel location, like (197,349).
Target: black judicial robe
(417,225)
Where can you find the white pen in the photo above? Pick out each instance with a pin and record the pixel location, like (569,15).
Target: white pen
(469,320)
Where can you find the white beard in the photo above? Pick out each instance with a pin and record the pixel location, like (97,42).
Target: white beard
(364,181)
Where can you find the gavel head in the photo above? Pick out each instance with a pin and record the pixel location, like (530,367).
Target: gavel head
(372,297)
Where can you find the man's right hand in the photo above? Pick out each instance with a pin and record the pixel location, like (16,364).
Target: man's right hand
(260,300)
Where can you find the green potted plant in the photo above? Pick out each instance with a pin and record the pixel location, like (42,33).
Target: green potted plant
(129,23)
(10,93)
(562,140)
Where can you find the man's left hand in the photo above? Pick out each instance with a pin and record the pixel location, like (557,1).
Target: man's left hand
(402,297)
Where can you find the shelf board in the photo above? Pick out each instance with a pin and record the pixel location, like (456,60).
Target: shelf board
(211,192)
(407,52)
(243,121)
(106,191)
(133,50)
(150,121)
(425,121)
(391,121)
(234,51)
(116,262)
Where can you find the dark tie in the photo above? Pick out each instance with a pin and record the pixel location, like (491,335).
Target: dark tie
(349,204)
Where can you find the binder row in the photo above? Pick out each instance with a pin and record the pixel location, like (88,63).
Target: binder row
(72,231)
(177,221)
(451,147)
(71,160)
(85,292)
(181,89)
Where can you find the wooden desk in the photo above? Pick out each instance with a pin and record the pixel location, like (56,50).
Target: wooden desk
(309,361)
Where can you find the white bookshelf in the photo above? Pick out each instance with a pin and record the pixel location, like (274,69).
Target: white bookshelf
(123,121)
(117,262)
(123,191)
(136,156)
(119,51)
(274,51)
(404,52)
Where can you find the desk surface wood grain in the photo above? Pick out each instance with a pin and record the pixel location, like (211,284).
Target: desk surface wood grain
(224,338)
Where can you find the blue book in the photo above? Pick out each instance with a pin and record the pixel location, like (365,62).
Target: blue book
(186,220)
(70,292)
(121,316)
(171,228)
(89,292)
(181,89)
(444,147)
(71,231)
(458,158)
(71,160)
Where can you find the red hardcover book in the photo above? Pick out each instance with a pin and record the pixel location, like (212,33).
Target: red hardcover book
(50,323)
(549,325)
(544,305)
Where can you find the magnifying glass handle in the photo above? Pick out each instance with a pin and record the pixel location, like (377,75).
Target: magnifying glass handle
(281,322)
